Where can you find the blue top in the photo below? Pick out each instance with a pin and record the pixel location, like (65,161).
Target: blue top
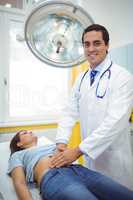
(28,158)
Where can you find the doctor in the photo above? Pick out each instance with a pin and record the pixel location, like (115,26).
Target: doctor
(102,99)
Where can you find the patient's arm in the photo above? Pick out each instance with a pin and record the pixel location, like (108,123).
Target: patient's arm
(20,185)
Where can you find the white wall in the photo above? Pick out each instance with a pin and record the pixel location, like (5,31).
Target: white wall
(115,15)
(3,70)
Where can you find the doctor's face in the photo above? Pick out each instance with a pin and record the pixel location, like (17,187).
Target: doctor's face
(95,49)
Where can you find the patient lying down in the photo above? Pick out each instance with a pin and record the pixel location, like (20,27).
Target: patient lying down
(30,163)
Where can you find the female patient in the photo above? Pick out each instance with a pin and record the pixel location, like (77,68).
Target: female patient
(30,163)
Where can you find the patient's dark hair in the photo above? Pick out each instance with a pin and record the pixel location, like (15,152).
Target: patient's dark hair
(13,143)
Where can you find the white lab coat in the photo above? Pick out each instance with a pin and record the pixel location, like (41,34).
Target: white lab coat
(104,123)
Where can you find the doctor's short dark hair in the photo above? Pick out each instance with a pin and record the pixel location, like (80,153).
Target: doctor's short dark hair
(99,28)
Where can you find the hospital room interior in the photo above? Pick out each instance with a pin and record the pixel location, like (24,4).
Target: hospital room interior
(36,74)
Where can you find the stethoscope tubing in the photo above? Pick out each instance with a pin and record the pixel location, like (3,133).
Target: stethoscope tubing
(107,70)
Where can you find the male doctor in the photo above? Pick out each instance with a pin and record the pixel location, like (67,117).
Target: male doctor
(102,100)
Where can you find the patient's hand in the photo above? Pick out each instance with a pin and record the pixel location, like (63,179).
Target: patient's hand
(65,157)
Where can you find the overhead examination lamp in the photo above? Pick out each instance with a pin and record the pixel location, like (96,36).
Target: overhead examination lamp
(53,32)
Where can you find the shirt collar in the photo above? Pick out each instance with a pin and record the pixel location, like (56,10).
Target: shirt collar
(99,67)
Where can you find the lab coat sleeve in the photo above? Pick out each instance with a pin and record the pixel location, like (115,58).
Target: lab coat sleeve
(70,114)
(116,120)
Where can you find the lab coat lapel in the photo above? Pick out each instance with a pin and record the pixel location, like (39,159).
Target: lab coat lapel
(88,94)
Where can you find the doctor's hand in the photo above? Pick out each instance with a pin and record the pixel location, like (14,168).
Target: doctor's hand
(61,147)
(65,157)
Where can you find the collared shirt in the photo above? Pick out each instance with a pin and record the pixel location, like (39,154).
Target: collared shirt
(99,67)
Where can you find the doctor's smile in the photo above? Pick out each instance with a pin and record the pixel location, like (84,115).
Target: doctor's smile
(95,48)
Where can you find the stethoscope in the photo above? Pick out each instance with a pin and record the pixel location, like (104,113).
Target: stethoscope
(101,88)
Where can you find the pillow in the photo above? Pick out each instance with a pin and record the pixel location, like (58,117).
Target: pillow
(6,186)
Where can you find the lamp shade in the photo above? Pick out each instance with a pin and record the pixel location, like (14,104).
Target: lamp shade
(53,32)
